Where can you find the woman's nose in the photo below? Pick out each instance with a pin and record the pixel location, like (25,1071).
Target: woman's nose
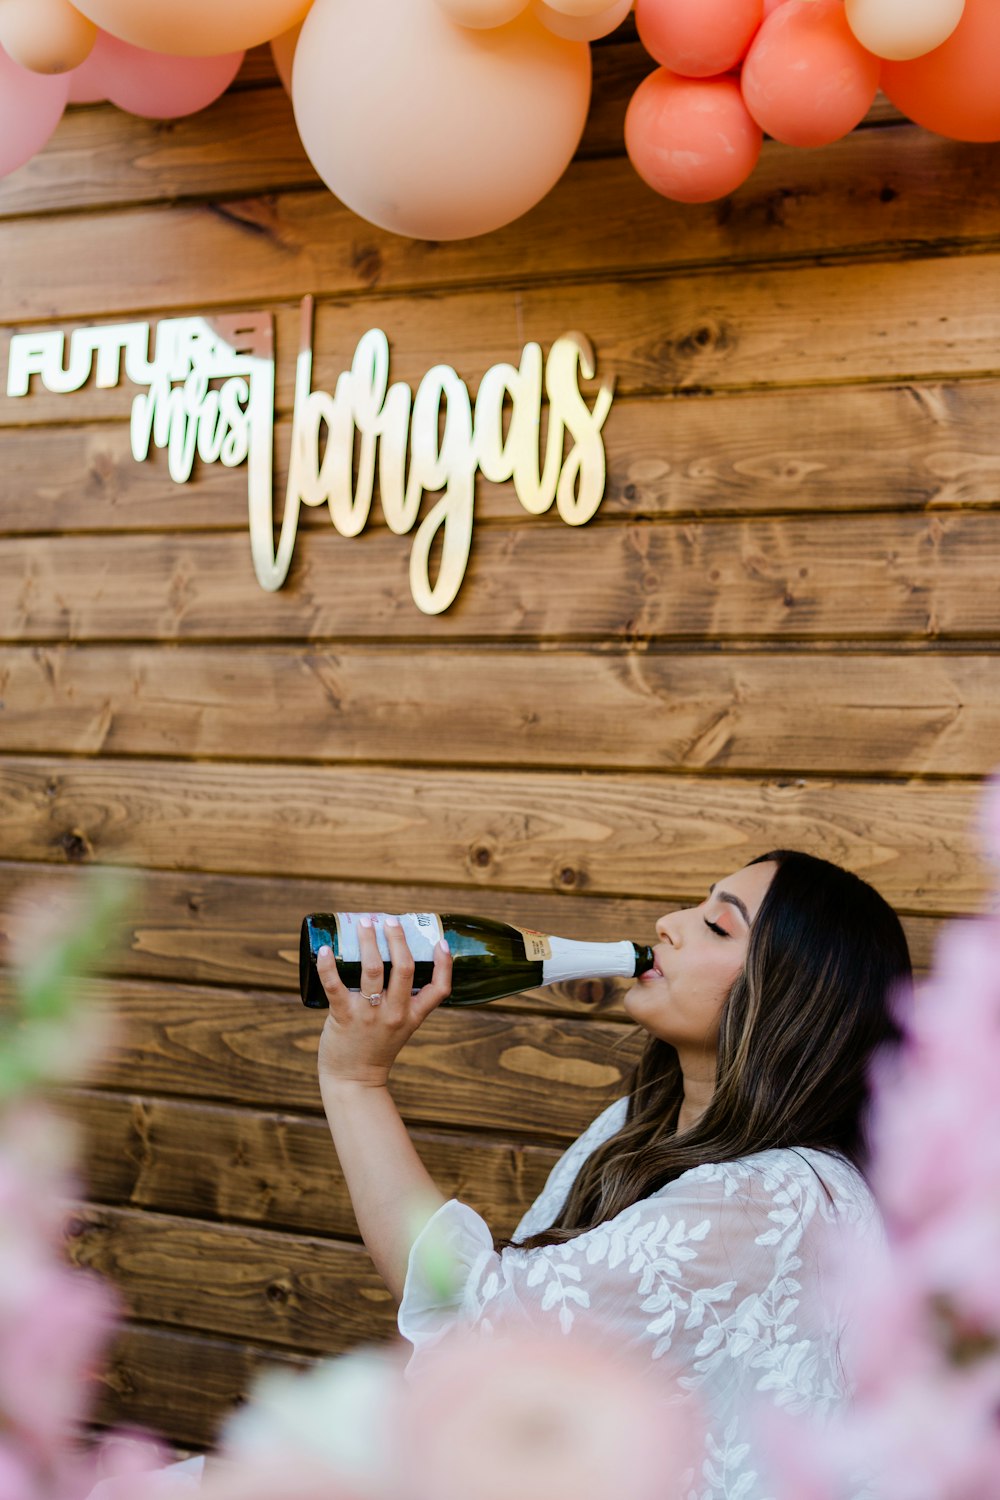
(668,930)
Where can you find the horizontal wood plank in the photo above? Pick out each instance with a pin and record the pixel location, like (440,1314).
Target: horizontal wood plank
(752,330)
(249,1166)
(901,187)
(536,1078)
(608,834)
(803,713)
(182,1386)
(310,1295)
(846,448)
(847,578)
(239,930)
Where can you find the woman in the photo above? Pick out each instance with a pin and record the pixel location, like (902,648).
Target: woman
(698,1219)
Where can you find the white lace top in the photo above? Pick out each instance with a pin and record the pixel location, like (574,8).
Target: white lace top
(723,1281)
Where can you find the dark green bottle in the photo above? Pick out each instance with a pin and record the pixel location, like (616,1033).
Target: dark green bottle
(491,959)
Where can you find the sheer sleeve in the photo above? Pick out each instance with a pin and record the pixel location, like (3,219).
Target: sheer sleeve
(723,1275)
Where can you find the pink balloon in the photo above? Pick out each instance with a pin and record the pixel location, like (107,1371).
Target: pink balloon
(807,80)
(691,139)
(152,84)
(31,106)
(697,38)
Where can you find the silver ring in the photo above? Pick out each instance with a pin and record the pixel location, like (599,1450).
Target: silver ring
(373,999)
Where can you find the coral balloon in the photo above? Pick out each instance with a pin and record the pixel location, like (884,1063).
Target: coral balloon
(698,38)
(151,84)
(482,13)
(47,36)
(31,106)
(954,90)
(431,130)
(194,28)
(283,51)
(691,139)
(902,29)
(583,28)
(807,80)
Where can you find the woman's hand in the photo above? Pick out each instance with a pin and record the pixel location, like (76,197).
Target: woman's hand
(360,1040)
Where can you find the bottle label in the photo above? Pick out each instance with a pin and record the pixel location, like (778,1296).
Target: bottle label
(422,930)
(537,946)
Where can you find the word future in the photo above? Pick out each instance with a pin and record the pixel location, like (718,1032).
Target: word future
(211,396)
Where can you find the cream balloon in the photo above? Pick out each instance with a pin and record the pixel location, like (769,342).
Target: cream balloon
(482,13)
(432,130)
(45,36)
(195,28)
(583,28)
(902,29)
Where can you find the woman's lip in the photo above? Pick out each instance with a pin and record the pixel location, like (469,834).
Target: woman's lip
(653,973)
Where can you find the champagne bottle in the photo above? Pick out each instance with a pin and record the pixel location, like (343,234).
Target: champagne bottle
(491,959)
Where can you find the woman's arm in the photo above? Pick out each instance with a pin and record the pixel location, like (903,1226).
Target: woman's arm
(392,1193)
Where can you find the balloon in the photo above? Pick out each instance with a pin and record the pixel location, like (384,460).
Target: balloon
(283,51)
(581,8)
(151,84)
(954,90)
(47,36)
(482,13)
(807,80)
(902,29)
(195,28)
(31,106)
(691,139)
(698,38)
(431,130)
(583,28)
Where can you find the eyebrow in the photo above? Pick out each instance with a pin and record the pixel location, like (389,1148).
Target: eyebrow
(733,901)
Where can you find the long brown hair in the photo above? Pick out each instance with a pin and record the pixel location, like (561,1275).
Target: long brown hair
(811,1005)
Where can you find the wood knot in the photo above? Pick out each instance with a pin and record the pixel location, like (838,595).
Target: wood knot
(75,845)
(481,856)
(278,1292)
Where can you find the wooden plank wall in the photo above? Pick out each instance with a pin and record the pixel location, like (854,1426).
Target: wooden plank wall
(780,629)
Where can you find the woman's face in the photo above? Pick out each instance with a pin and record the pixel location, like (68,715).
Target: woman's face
(700,952)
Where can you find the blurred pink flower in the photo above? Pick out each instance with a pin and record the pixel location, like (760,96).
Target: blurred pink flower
(542,1418)
(16,1478)
(54,1328)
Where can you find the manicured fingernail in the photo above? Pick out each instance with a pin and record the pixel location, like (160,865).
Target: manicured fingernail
(324,952)
(442,946)
(393,922)
(366,922)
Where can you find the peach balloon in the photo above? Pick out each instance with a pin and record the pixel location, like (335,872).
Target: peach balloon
(195,28)
(583,28)
(902,29)
(45,36)
(807,80)
(954,90)
(482,13)
(579,7)
(283,51)
(152,84)
(692,139)
(433,130)
(698,38)
(31,106)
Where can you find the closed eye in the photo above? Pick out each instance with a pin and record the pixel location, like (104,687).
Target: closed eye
(714,927)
